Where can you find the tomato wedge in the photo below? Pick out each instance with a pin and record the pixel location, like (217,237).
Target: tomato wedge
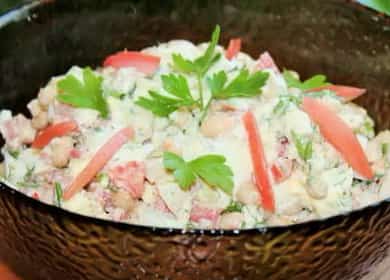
(233,48)
(145,63)
(259,162)
(339,134)
(266,61)
(347,92)
(103,155)
(53,131)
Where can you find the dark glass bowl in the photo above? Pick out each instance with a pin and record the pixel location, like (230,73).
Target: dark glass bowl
(348,43)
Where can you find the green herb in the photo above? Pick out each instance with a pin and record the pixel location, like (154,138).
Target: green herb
(58,194)
(304,147)
(367,128)
(234,206)
(385,148)
(284,102)
(202,64)
(163,106)
(243,85)
(313,82)
(28,180)
(14,153)
(86,94)
(117,94)
(210,168)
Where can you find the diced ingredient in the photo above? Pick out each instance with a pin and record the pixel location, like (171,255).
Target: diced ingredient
(339,134)
(346,92)
(144,63)
(199,213)
(266,61)
(17,131)
(53,131)
(129,177)
(233,48)
(99,160)
(259,162)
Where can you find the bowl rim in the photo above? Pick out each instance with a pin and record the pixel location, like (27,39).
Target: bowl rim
(21,12)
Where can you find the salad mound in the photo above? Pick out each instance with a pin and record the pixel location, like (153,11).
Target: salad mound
(196,136)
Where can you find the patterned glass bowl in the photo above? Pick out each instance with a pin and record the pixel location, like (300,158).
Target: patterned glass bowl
(348,43)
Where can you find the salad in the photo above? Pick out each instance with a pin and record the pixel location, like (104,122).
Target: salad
(181,135)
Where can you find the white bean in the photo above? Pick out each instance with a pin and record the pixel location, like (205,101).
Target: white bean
(40,121)
(122,199)
(231,220)
(216,124)
(248,194)
(60,151)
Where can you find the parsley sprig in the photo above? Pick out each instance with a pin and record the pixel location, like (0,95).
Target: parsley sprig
(244,84)
(86,94)
(304,146)
(210,168)
(162,105)
(313,82)
(200,65)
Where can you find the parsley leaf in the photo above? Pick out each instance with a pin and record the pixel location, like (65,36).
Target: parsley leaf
(86,94)
(203,63)
(304,147)
(210,168)
(163,106)
(234,206)
(313,82)
(58,193)
(14,153)
(182,172)
(243,85)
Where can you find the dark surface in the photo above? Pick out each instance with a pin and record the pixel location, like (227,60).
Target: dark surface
(347,43)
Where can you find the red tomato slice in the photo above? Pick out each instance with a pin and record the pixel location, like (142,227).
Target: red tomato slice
(99,160)
(53,131)
(233,48)
(145,63)
(348,93)
(259,162)
(339,134)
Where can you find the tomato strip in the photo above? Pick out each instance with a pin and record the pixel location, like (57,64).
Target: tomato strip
(348,93)
(259,162)
(99,160)
(53,131)
(145,63)
(339,134)
(233,48)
